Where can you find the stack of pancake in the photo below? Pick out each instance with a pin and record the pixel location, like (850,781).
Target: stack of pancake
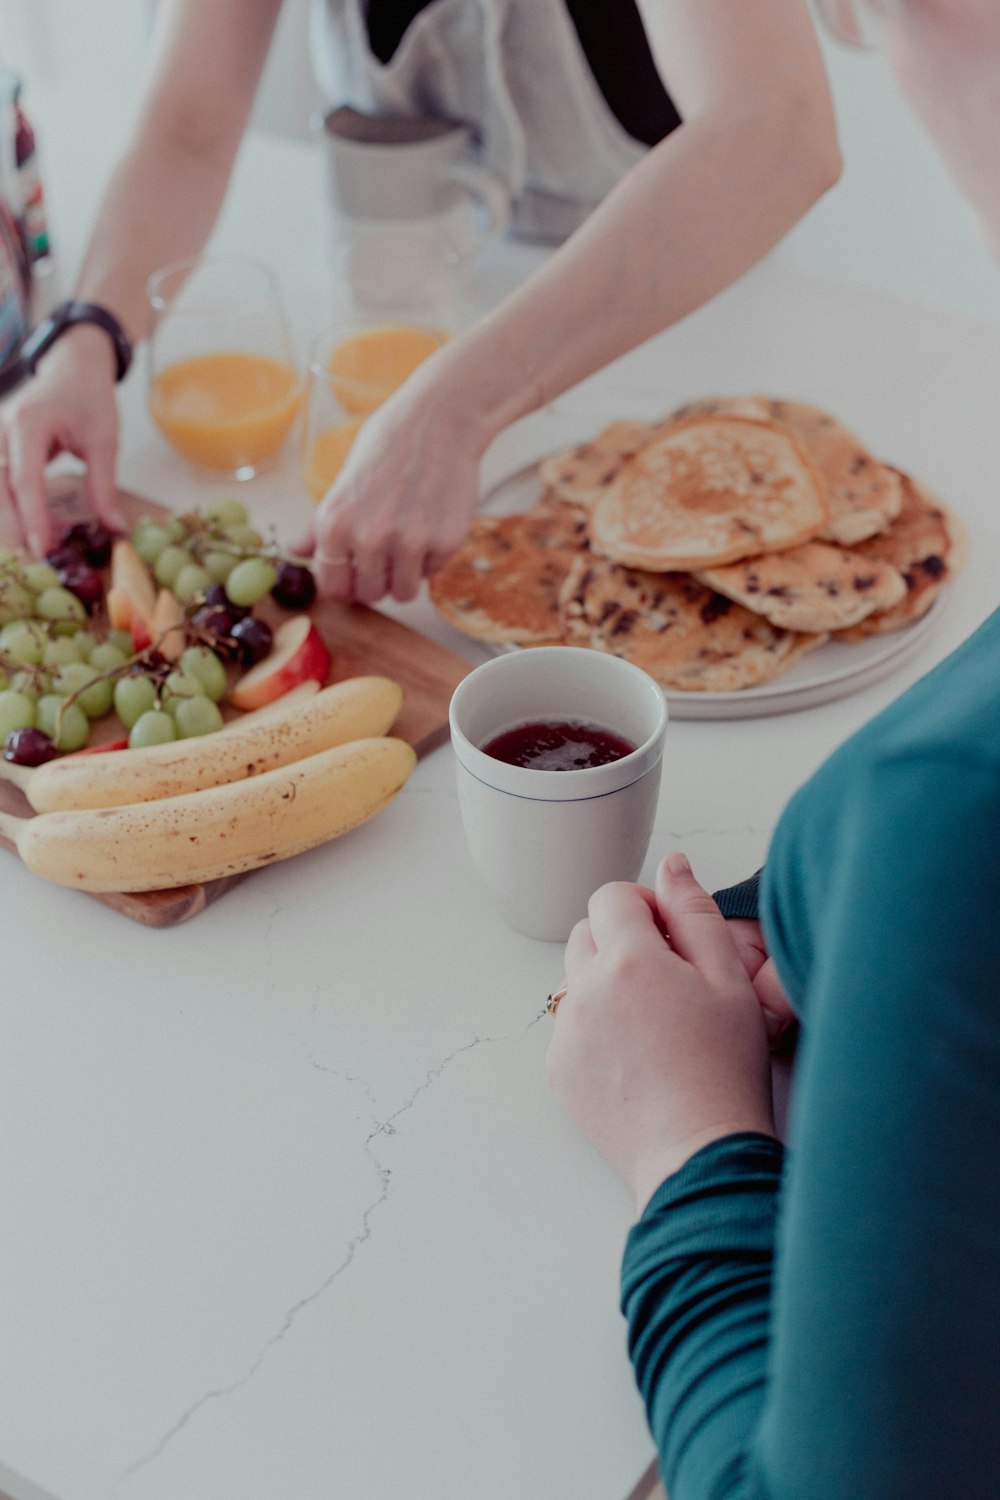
(712,548)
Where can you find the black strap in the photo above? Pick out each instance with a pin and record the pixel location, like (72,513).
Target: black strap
(92,312)
(68,315)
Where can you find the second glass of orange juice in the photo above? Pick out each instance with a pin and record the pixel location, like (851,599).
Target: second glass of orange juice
(354,368)
(224,386)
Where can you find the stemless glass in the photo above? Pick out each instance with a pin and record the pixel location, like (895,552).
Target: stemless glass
(354,368)
(224,388)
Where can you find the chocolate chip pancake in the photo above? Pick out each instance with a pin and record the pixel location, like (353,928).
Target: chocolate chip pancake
(728,406)
(503,582)
(927,544)
(812,587)
(863,495)
(676,629)
(707,491)
(582,475)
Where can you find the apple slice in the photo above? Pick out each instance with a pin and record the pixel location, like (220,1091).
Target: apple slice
(131,597)
(303,690)
(299,652)
(121,744)
(168,626)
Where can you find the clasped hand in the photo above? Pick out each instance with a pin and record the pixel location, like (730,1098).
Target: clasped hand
(661,1042)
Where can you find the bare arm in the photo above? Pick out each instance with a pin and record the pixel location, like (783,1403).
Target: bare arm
(160,205)
(757,147)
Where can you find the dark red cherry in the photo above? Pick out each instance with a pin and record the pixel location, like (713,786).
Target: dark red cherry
(91,539)
(253,640)
(295,587)
(83,581)
(28,747)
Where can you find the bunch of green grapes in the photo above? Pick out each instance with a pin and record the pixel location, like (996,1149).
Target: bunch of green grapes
(46,707)
(35,591)
(44,636)
(164,702)
(56,675)
(188,554)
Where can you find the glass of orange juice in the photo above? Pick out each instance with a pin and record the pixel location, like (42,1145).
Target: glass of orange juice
(224,387)
(353,369)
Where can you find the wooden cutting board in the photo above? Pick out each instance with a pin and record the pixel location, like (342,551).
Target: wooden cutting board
(361,641)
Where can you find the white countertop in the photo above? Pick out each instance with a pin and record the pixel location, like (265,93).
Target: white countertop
(288,1206)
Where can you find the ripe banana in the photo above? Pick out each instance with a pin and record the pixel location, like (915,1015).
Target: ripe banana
(297,694)
(221,831)
(355,709)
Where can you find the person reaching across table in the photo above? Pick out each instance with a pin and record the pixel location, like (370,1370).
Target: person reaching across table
(686,208)
(826,1325)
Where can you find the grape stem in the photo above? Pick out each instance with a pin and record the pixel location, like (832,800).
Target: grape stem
(123,669)
(11,664)
(209,538)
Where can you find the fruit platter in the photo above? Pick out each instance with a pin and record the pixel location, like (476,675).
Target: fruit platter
(177,708)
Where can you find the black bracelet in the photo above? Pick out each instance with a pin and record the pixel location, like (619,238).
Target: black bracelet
(66,316)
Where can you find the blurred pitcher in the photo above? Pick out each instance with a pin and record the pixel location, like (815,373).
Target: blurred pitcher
(410,211)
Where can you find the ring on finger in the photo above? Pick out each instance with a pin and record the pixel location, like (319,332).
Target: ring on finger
(552,1003)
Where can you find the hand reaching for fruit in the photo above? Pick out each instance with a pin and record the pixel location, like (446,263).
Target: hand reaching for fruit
(68,407)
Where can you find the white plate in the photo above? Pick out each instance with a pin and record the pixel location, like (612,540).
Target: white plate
(833,670)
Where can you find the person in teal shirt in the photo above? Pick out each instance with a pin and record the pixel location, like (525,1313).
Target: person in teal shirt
(869,1365)
(825,1324)
(828,1325)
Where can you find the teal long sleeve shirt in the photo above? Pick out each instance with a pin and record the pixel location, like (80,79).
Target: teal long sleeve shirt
(827,1326)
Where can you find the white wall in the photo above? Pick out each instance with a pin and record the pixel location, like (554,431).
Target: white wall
(95,50)
(289,96)
(894,222)
(85,56)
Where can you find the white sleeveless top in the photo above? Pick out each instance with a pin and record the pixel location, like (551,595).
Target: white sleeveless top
(515,71)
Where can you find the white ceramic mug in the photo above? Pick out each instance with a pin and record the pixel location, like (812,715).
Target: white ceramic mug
(543,841)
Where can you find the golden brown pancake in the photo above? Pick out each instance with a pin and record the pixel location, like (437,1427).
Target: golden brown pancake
(503,582)
(812,587)
(582,475)
(863,495)
(708,491)
(676,629)
(927,544)
(728,406)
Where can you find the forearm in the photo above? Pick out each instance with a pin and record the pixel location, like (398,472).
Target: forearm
(696,1290)
(159,207)
(694,215)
